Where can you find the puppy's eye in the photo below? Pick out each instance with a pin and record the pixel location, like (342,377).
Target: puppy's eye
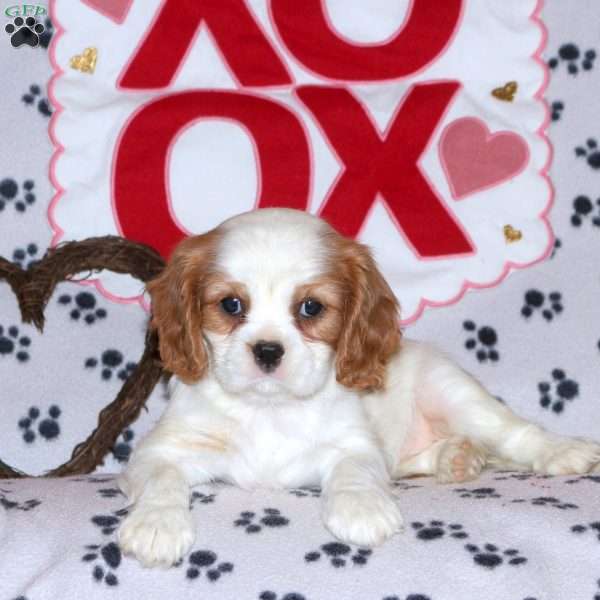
(310,308)
(232,306)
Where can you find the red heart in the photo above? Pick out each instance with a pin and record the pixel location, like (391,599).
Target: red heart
(115,10)
(475,159)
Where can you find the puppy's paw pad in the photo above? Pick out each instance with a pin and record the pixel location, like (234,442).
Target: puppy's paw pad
(364,517)
(157,536)
(459,460)
(570,457)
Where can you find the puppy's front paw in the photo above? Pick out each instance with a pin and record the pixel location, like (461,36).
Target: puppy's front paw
(459,460)
(362,517)
(569,457)
(158,536)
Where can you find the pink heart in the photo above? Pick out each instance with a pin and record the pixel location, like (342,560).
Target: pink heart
(115,10)
(475,159)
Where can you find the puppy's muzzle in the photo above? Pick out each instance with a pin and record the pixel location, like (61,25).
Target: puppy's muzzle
(267,355)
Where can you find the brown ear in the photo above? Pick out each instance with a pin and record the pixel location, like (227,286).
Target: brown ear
(370,332)
(177,310)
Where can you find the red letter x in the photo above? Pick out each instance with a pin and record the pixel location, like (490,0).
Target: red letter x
(387,166)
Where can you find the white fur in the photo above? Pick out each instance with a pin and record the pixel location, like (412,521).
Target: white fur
(298,426)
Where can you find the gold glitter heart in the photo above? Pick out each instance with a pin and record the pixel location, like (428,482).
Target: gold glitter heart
(511,234)
(507,92)
(85,62)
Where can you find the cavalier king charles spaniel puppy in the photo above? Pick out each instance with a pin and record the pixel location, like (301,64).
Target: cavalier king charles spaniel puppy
(291,371)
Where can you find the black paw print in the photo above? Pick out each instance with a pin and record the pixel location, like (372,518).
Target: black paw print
(310,491)
(108,523)
(11,340)
(590,152)
(557,108)
(34,96)
(272,518)
(490,556)
(26,257)
(565,389)
(339,554)
(122,449)
(268,595)
(593,527)
(111,492)
(25,506)
(486,339)
(24,31)
(110,555)
(409,597)
(536,300)
(85,306)
(111,361)
(205,561)
(582,207)
(46,35)
(199,497)
(435,530)
(547,501)
(557,246)
(48,428)
(571,54)
(9,192)
(594,478)
(478,493)
(520,476)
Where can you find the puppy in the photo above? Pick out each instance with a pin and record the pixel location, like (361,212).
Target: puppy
(290,371)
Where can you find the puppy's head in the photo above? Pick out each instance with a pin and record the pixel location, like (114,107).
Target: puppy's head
(275,302)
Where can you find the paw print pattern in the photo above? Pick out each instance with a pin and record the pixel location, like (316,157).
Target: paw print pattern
(84,306)
(310,491)
(483,343)
(200,498)
(110,361)
(107,558)
(9,194)
(557,108)
(12,342)
(108,523)
(590,152)
(24,31)
(340,554)
(271,518)
(435,530)
(490,556)
(565,390)
(122,449)
(34,97)
(478,493)
(48,428)
(535,301)
(25,506)
(593,528)
(570,54)
(268,595)
(111,492)
(26,257)
(547,501)
(205,561)
(582,210)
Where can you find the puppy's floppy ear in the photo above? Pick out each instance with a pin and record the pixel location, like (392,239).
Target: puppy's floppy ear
(370,331)
(177,310)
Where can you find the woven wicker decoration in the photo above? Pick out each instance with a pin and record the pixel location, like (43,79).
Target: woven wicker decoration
(33,289)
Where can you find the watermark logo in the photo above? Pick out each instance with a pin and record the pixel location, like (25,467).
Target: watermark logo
(26,10)
(24,29)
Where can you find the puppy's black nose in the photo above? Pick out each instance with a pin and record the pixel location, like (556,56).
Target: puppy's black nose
(267,355)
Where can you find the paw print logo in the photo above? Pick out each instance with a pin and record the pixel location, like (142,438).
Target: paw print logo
(47,34)
(435,530)
(110,361)
(205,561)
(200,498)
(339,554)
(271,518)
(122,449)
(556,109)
(12,342)
(34,97)
(269,595)
(24,32)
(84,305)
(26,257)
(9,194)
(490,556)
(593,528)
(590,153)
(570,54)
(48,428)
(555,394)
(483,342)
(107,558)
(535,301)
(478,493)
(582,209)
(310,491)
